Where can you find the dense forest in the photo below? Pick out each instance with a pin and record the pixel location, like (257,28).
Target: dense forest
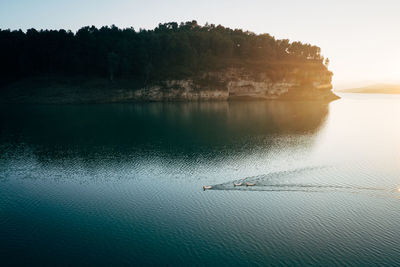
(169,51)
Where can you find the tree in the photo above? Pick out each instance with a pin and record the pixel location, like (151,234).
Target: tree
(170,51)
(327,62)
(113,62)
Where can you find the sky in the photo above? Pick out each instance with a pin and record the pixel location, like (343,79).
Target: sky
(360,37)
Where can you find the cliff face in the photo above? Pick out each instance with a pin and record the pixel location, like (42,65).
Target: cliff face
(232,84)
(235,84)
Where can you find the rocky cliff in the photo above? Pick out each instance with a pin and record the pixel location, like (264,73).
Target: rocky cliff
(231,84)
(235,84)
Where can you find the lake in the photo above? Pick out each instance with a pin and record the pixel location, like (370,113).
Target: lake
(122,183)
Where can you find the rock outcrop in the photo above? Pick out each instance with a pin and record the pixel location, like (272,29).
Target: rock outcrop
(231,84)
(235,84)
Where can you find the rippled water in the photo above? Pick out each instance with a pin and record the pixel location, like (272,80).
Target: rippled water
(122,184)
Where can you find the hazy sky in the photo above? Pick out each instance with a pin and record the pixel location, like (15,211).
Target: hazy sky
(361,37)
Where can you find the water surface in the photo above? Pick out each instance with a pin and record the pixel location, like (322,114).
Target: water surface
(122,184)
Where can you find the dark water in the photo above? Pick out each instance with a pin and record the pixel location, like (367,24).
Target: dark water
(122,184)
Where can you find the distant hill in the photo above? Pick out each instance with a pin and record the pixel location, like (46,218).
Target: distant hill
(374,89)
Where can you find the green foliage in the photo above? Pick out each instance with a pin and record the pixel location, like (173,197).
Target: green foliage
(113,64)
(170,51)
(327,62)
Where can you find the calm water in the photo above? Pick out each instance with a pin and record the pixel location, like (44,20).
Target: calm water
(122,184)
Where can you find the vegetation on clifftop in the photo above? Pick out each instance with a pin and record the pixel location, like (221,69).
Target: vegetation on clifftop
(170,51)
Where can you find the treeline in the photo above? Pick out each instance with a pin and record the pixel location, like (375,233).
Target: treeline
(169,51)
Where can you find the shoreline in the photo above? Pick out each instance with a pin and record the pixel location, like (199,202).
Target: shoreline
(101,91)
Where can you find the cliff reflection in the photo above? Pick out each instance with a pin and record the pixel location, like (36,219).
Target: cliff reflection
(184,128)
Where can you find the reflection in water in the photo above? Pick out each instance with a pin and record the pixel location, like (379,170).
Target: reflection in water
(142,124)
(122,184)
(171,140)
(176,130)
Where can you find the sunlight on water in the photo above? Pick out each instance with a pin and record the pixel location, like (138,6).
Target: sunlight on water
(118,183)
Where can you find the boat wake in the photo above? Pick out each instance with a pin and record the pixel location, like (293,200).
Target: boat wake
(294,180)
